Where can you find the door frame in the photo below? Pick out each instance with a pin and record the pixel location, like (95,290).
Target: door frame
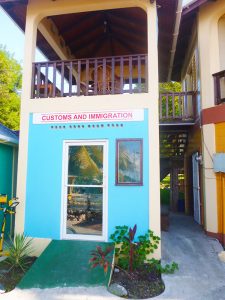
(196,188)
(63,234)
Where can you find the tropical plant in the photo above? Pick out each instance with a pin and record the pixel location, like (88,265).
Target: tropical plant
(19,251)
(99,258)
(132,254)
(132,246)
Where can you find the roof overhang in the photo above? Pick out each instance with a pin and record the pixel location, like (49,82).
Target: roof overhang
(193,5)
(8,136)
(8,140)
(188,19)
(166,22)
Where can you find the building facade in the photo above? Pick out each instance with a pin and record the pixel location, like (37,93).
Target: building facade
(201,67)
(89,142)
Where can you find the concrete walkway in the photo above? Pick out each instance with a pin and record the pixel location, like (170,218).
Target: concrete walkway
(201,275)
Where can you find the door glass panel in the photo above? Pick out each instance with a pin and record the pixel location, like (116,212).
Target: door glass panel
(84,210)
(85,165)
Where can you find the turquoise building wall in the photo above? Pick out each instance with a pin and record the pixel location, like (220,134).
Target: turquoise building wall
(6,168)
(127,205)
(6,179)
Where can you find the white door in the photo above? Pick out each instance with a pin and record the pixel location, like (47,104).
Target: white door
(196,188)
(85,190)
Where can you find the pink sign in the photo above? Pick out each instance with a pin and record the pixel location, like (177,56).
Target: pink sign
(81,117)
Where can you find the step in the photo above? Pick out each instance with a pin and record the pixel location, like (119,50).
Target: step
(65,263)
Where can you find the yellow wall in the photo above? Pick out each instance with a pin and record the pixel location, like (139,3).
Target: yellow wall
(208,36)
(209,31)
(209,48)
(220,178)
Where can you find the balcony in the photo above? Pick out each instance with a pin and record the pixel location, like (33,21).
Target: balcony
(89,77)
(177,108)
(219,87)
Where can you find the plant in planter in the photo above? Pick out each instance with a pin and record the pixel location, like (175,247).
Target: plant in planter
(18,261)
(19,251)
(99,258)
(131,253)
(137,273)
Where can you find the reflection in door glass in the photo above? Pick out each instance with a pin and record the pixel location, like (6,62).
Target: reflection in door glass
(85,165)
(84,210)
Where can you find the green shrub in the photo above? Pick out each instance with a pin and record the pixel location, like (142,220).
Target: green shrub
(132,254)
(19,250)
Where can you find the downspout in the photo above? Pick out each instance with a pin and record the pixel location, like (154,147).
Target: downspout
(175,37)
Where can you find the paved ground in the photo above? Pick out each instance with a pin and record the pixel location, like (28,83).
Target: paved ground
(201,275)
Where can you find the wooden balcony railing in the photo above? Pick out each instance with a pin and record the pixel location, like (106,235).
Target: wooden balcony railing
(94,76)
(219,87)
(180,107)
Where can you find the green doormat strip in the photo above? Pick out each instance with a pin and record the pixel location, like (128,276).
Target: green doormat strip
(65,264)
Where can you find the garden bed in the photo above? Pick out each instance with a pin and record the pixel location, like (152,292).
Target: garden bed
(9,278)
(139,284)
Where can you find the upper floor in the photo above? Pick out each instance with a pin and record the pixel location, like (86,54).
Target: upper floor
(94,47)
(200,55)
(97,50)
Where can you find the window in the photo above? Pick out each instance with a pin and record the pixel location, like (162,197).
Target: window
(129,162)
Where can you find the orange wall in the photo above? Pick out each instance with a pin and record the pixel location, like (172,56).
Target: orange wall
(220,178)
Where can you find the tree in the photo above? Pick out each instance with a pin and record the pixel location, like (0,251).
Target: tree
(170,105)
(170,87)
(10,84)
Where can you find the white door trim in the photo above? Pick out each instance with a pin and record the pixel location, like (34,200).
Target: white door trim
(196,188)
(64,235)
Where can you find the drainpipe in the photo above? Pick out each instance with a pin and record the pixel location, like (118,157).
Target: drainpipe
(175,36)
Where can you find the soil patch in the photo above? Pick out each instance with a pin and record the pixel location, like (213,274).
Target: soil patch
(140,284)
(9,278)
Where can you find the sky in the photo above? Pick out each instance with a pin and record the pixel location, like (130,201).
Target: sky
(13,38)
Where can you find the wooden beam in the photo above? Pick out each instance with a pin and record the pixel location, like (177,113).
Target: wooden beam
(129,34)
(128,22)
(128,45)
(89,43)
(71,25)
(85,33)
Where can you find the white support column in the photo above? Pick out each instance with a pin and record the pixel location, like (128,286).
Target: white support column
(154,163)
(30,43)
